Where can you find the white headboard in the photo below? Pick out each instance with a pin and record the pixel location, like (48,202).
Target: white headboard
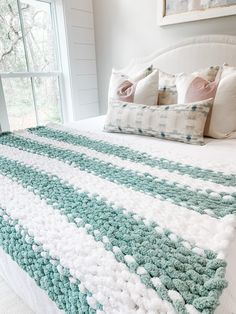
(190,55)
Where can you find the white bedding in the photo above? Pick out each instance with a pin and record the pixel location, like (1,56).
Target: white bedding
(216,152)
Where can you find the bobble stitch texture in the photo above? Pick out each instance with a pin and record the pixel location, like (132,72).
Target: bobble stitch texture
(180,273)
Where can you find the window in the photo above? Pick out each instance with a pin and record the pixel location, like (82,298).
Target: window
(30,77)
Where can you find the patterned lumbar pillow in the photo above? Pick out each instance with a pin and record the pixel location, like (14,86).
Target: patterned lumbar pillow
(141,88)
(184,123)
(222,119)
(167,94)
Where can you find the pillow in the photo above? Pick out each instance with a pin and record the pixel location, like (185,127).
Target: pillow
(184,123)
(222,122)
(141,88)
(167,94)
(198,85)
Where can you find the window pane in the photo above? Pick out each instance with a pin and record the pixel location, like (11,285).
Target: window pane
(47,99)
(19,100)
(39,35)
(12,56)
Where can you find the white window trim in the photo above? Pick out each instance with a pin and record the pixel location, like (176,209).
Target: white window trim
(29,74)
(4,122)
(60,12)
(65,100)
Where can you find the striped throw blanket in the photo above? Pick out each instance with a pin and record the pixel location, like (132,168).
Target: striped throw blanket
(105,228)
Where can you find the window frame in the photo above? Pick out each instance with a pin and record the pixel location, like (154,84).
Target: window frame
(4,120)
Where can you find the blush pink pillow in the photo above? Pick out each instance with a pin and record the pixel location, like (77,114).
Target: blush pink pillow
(200,89)
(126,91)
(141,88)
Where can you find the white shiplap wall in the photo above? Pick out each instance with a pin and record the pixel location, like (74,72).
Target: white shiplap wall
(78,15)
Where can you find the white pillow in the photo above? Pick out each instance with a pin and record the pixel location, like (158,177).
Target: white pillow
(141,88)
(222,122)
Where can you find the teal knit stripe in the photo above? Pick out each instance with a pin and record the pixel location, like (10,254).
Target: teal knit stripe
(176,266)
(145,183)
(65,294)
(135,156)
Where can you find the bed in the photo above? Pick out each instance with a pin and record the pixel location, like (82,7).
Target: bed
(208,231)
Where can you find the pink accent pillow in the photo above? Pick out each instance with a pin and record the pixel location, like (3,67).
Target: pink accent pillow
(126,91)
(200,89)
(141,88)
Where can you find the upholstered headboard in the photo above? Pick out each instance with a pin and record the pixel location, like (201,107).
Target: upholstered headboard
(190,54)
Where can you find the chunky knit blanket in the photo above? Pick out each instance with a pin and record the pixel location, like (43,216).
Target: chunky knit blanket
(105,228)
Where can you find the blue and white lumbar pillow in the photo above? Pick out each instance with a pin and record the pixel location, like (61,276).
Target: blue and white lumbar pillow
(184,123)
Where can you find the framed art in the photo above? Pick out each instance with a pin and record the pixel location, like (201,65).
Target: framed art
(173,12)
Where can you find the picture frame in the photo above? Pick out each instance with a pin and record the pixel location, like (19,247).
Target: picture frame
(193,15)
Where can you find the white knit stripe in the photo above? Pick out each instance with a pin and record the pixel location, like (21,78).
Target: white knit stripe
(109,281)
(201,230)
(172,177)
(145,146)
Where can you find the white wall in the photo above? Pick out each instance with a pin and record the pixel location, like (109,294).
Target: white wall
(78,17)
(128,28)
